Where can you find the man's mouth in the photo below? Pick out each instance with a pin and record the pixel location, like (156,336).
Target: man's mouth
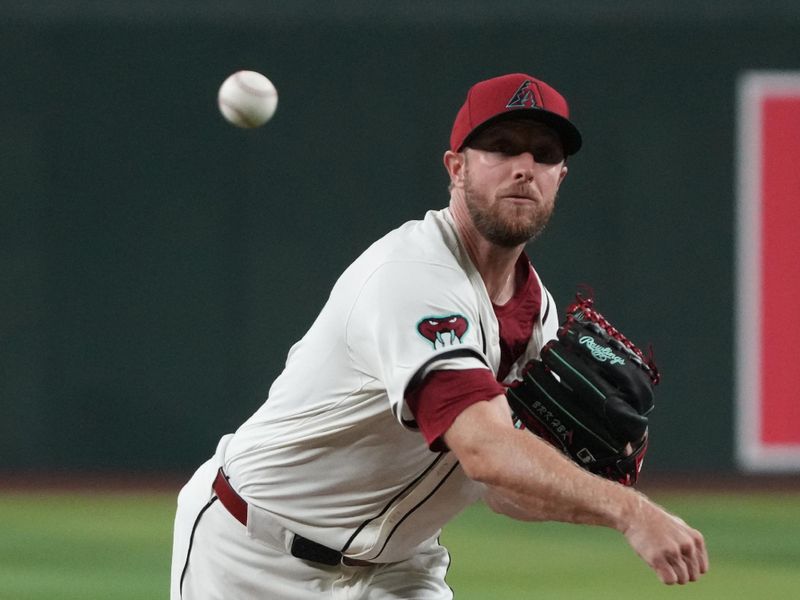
(519,197)
(518,194)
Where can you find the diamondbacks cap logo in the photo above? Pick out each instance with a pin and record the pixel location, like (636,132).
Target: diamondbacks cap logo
(443,331)
(523,97)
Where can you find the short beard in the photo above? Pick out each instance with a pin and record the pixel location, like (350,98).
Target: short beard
(499,231)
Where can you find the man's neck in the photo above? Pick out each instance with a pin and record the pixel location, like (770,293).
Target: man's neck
(496,264)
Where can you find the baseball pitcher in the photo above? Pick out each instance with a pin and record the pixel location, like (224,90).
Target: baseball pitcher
(439,373)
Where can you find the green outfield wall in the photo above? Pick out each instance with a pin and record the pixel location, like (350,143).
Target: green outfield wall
(156,263)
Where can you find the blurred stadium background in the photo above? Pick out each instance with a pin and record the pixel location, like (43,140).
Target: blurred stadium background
(156,263)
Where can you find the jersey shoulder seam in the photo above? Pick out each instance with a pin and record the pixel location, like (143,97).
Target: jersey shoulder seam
(372,274)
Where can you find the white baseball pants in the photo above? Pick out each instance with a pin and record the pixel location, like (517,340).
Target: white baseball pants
(214,559)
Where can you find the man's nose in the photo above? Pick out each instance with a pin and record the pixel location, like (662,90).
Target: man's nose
(524,165)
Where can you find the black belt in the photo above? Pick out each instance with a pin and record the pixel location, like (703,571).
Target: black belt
(303,548)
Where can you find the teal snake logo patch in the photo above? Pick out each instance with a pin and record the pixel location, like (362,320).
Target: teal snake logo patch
(443,331)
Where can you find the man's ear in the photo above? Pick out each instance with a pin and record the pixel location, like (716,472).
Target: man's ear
(562,174)
(454,163)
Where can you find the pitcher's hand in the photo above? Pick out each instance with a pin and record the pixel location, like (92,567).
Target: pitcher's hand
(675,551)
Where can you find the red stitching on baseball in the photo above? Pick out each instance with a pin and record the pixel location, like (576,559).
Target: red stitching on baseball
(248,88)
(242,116)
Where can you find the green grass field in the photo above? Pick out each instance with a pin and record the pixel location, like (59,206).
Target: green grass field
(116,546)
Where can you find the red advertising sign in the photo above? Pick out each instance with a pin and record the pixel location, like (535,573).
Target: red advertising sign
(768,264)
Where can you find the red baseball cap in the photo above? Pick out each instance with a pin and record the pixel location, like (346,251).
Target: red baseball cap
(513,96)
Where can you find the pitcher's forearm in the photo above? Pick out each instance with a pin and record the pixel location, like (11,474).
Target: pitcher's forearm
(535,479)
(542,485)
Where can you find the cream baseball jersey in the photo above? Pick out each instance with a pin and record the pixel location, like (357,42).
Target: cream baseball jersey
(334,454)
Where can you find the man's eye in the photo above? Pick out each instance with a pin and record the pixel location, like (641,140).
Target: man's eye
(547,155)
(500,147)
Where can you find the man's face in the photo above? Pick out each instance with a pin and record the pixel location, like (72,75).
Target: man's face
(512,172)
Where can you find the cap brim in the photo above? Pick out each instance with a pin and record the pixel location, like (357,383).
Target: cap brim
(569,134)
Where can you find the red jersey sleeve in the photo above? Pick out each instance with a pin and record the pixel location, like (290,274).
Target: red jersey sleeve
(443,395)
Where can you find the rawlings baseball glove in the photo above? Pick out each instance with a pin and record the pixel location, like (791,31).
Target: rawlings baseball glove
(589,395)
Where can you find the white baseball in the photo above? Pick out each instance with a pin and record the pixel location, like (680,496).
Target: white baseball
(247,99)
